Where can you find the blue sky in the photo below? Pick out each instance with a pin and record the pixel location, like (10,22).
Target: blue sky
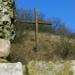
(63,9)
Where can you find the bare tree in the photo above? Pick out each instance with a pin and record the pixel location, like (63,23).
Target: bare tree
(24,14)
(59,27)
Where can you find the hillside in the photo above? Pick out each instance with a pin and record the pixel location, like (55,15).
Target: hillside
(51,47)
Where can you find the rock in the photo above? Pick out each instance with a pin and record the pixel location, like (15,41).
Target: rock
(7,19)
(24,69)
(11,69)
(50,68)
(4,47)
(39,68)
(73,66)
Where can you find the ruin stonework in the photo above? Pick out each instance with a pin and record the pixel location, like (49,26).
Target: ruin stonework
(7,26)
(7,33)
(7,19)
(11,69)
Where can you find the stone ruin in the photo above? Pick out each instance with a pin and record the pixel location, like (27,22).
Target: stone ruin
(7,34)
(7,26)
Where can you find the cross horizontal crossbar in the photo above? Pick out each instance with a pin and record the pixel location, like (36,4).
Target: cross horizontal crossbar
(33,22)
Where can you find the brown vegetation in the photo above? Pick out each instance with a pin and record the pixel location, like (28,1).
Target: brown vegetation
(51,47)
(54,42)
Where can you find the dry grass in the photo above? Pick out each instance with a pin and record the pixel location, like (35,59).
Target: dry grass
(51,47)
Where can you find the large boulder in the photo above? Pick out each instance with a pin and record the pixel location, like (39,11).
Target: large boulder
(4,48)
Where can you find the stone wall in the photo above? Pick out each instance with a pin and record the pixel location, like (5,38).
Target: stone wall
(7,26)
(7,19)
(11,69)
(39,68)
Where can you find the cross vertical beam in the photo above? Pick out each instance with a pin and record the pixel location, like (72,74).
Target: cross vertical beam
(36,29)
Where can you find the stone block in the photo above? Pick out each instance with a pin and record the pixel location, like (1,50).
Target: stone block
(4,47)
(11,69)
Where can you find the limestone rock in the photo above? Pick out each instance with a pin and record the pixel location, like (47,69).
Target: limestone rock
(11,69)
(7,19)
(4,47)
(50,68)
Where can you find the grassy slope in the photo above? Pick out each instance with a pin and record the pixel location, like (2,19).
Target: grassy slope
(51,47)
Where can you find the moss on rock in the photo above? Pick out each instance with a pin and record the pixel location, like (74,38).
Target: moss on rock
(3,60)
(49,68)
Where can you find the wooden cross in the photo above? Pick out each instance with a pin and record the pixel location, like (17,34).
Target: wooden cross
(37,22)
